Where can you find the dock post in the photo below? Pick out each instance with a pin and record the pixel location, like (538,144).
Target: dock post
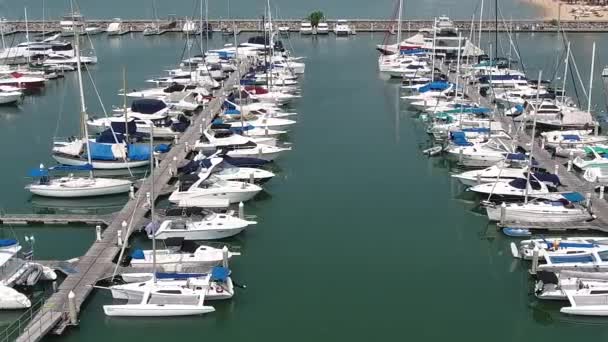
(260,153)
(251,178)
(119,237)
(241,210)
(186,147)
(266,130)
(503,213)
(148,203)
(478,177)
(200,129)
(510,129)
(132,192)
(72,308)
(225,257)
(542,143)
(556,171)
(588,199)
(176,139)
(602,192)
(98,232)
(460,156)
(534,260)
(174,166)
(54,286)
(569,165)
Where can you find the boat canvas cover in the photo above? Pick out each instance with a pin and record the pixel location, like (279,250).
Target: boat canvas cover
(417,39)
(119,126)
(598,150)
(138,254)
(7,242)
(412,51)
(232,112)
(434,86)
(574,197)
(72,149)
(219,273)
(459,139)
(101,151)
(148,106)
(548,178)
(471,50)
(139,152)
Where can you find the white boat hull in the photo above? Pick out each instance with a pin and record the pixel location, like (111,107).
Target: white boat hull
(155,310)
(101,165)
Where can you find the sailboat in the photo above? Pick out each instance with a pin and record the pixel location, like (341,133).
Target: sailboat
(72,186)
(158,299)
(82,151)
(154,29)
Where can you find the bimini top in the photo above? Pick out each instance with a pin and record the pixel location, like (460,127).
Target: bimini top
(219,273)
(434,86)
(148,106)
(8,242)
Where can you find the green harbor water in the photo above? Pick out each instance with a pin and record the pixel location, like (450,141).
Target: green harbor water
(360,236)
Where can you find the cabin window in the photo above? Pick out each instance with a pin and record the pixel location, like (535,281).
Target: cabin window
(603,255)
(170,291)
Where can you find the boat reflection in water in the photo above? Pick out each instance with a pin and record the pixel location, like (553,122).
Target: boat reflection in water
(94,206)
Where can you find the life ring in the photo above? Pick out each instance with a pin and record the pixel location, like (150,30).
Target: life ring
(219,289)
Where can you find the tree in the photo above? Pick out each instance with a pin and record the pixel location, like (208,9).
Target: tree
(315,17)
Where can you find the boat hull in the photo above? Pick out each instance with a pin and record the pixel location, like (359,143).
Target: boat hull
(211,234)
(75,192)
(100,165)
(155,310)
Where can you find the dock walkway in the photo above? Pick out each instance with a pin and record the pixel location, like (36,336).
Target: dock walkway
(570,181)
(97,261)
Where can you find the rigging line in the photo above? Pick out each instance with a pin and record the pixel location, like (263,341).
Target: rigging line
(105,113)
(578,100)
(61,105)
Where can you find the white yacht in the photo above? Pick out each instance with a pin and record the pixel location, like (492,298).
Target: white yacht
(540,211)
(206,186)
(222,170)
(117,28)
(342,28)
(322,28)
(516,188)
(305,28)
(213,226)
(597,157)
(188,256)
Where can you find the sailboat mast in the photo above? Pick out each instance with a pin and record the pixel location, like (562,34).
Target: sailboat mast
(591,79)
(43,20)
(399,27)
(434,38)
(270,44)
(540,74)
(495,28)
(83,109)
(458,67)
(565,73)
(152,201)
(27,29)
(124,104)
(480,25)
(201,26)
(206,25)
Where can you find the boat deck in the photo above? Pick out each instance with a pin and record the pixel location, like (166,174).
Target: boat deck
(97,262)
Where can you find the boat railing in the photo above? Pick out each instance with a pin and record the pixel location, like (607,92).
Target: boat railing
(38,311)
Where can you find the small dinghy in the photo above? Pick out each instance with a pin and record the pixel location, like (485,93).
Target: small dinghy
(433,151)
(11,299)
(516,232)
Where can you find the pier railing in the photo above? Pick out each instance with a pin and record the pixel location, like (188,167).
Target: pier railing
(21,328)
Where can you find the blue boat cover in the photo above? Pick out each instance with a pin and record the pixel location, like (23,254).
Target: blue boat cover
(101,151)
(119,127)
(147,106)
(460,139)
(411,51)
(139,152)
(7,242)
(229,105)
(38,173)
(574,197)
(107,137)
(217,122)
(516,156)
(480,110)
(162,148)
(85,167)
(240,130)
(572,137)
(516,232)
(219,273)
(561,259)
(434,86)
(162,275)
(138,254)
(232,112)
(547,178)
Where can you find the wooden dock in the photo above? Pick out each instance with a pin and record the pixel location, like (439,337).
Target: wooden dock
(97,261)
(360,25)
(52,219)
(569,179)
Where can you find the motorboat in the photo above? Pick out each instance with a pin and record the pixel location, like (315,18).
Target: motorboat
(190,27)
(10,95)
(213,226)
(572,139)
(342,28)
(322,28)
(18,80)
(71,186)
(571,245)
(554,285)
(515,189)
(262,122)
(187,256)
(53,60)
(481,154)
(566,209)
(207,186)
(214,140)
(228,172)
(596,157)
(305,28)
(117,28)
(502,171)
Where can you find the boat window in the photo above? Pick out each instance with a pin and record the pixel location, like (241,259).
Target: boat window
(598,292)
(66,47)
(603,255)
(170,291)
